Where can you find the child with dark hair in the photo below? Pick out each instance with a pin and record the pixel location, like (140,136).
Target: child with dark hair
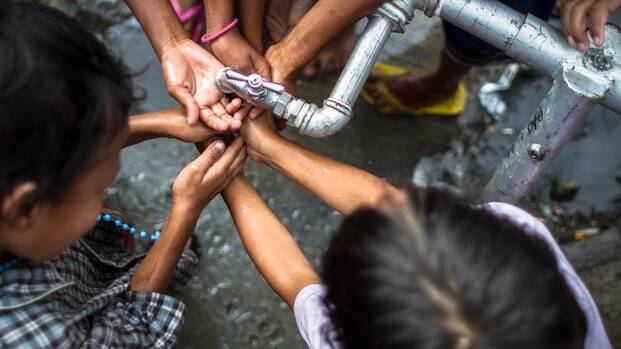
(65,280)
(412,268)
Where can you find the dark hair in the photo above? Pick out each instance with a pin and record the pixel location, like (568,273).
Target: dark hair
(62,96)
(437,273)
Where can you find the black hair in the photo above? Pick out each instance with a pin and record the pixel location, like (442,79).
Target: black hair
(62,96)
(437,273)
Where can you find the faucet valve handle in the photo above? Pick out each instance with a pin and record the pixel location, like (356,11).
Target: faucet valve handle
(255,87)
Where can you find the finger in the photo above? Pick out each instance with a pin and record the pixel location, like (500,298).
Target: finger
(262,67)
(208,158)
(222,113)
(566,21)
(242,112)
(183,96)
(255,113)
(578,24)
(238,163)
(598,19)
(238,169)
(233,106)
(220,167)
(311,69)
(213,121)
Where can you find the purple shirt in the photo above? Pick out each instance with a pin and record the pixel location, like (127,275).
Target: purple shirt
(314,324)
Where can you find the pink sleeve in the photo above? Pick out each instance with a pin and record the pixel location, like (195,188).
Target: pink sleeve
(312,318)
(596,334)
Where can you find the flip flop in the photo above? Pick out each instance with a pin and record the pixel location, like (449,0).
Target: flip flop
(197,10)
(452,106)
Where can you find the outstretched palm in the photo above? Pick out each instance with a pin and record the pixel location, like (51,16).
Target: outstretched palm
(189,71)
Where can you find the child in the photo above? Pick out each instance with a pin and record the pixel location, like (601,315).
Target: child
(64,279)
(412,268)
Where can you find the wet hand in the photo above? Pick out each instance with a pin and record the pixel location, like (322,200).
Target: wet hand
(282,72)
(236,52)
(189,71)
(260,135)
(577,15)
(202,179)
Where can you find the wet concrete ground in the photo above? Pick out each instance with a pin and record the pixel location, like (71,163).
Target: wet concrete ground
(229,304)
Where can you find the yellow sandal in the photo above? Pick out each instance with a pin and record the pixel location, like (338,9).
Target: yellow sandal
(453,106)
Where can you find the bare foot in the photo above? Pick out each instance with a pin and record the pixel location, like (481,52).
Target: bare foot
(332,58)
(412,91)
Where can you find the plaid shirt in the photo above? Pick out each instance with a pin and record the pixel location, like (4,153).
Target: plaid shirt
(81,300)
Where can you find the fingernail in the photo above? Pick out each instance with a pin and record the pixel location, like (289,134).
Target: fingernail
(584,47)
(598,41)
(571,41)
(219,146)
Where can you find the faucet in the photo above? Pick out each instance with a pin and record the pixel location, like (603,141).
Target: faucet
(336,110)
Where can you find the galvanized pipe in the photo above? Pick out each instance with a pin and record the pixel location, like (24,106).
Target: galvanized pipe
(527,38)
(336,110)
(360,63)
(574,93)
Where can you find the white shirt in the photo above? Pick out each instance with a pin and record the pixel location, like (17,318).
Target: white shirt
(314,324)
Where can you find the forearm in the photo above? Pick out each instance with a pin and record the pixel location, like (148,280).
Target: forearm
(321,24)
(169,123)
(142,128)
(341,186)
(251,14)
(219,13)
(160,23)
(270,246)
(156,270)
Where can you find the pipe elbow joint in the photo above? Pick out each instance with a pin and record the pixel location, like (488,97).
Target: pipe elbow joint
(319,122)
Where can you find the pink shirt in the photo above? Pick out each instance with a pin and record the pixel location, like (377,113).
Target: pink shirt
(313,322)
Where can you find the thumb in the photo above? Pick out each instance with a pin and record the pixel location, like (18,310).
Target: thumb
(210,155)
(183,96)
(262,67)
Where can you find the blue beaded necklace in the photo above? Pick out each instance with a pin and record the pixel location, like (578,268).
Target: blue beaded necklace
(106,218)
(126,227)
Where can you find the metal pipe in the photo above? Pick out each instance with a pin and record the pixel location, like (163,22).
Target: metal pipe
(336,110)
(529,39)
(574,93)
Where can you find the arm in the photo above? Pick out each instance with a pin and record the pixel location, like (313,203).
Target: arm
(189,70)
(341,186)
(195,186)
(167,123)
(323,22)
(251,14)
(270,246)
(241,47)
(159,22)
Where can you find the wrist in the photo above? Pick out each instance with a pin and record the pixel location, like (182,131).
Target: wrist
(150,124)
(175,39)
(225,41)
(268,148)
(186,211)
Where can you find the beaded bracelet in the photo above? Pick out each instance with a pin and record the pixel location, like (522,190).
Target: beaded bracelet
(207,38)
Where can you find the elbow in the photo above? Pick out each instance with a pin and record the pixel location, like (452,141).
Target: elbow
(324,121)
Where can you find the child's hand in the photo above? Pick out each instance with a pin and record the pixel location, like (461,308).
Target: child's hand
(234,51)
(189,71)
(282,72)
(575,14)
(209,174)
(259,135)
